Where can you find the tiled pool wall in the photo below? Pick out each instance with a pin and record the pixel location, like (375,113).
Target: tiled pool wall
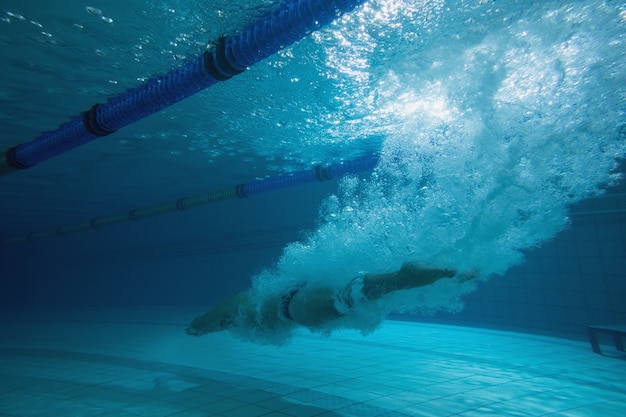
(575,280)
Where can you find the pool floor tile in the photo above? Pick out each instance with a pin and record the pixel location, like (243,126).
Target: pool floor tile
(404,369)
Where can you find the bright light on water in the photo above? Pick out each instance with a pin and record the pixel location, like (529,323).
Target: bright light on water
(495,121)
(492,119)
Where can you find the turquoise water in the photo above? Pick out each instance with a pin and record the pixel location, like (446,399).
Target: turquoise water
(500,130)
(492,120)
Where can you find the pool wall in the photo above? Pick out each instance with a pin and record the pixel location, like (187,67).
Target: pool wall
(575,280)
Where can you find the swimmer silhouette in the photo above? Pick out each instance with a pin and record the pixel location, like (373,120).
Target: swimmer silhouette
(312,307)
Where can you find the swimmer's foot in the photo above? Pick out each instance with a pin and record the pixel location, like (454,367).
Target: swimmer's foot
(468,276)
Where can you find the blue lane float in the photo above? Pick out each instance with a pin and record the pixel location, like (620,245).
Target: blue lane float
(320,173)
(291,21)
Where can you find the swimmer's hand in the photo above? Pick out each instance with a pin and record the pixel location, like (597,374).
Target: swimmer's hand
(220,317)
(208,323)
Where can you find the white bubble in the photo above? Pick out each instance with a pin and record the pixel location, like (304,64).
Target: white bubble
(483,152)
(93,11)
(15,16)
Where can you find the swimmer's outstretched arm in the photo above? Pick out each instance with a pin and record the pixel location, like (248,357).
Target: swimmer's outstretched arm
(220,317)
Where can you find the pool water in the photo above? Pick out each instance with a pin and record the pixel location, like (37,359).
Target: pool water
(500,132)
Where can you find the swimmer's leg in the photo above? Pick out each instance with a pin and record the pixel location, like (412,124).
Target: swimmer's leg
(409,276)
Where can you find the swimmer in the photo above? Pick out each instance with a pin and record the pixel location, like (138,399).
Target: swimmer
(311,307)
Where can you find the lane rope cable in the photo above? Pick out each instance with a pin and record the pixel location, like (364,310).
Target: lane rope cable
(291,21)
(320,173)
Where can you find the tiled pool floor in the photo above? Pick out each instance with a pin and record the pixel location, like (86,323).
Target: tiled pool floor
(141,363)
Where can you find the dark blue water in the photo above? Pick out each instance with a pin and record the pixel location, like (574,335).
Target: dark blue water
(495,121)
